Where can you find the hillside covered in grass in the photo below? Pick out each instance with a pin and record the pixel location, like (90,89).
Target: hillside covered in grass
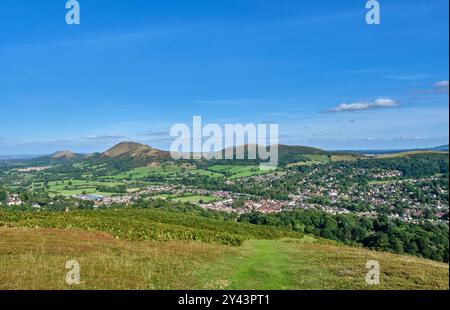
(151,224)
(35,258)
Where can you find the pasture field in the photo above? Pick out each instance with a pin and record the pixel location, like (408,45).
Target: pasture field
(345,157)
(236,172)
(318,158)
(380,182)
(89,166)
(206,173)
(187,198)
(305,163)
(161,196)
(313,159)
(78,187)
(196,199)
(142,172)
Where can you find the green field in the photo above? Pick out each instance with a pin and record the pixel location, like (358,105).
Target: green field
(161,196)
(142,172)
(77,187)
(312,159)
(229,171)
(380,182)
(217,171)
(196,199)
(207,173)
(187,198)
(317,159)
(345,157)
(236,172)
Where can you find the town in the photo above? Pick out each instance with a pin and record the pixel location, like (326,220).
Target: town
(409,200)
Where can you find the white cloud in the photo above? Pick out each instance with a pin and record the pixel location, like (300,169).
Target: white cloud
(103,137)
(359,106)
(441,86)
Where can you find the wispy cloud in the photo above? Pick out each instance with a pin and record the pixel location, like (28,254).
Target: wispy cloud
(441,87)
(99,39)
(405,77)
(248,101)
(152,134)
(360,105)
(103,137)
(231,101)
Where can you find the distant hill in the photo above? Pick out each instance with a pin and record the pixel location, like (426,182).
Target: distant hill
(435,150)
(440,148)
(135,151)
(286,153)
(283,149)
(298,149)
(409,153)
(17,157)
(59,156)
(68,155)
(144,154)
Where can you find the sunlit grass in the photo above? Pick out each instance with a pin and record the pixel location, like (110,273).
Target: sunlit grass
(35,259)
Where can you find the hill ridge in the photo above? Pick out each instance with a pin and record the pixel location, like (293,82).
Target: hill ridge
(134,150)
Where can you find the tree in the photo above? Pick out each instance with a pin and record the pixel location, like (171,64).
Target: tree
(24,196)
(3,195)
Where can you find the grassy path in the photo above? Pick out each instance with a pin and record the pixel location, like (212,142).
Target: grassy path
(265,267)
(260,264)
(312,264)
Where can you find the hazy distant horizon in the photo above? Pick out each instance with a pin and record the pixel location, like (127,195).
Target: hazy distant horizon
(5,156)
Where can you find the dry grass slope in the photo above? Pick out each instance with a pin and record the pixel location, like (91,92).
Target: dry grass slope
(410,153)
(33,258)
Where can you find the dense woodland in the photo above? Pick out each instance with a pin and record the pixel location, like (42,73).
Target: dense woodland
(428,241)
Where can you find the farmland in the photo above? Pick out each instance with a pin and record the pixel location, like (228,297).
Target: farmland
(78,187)
(186,198)
(317,159)
(195,199)
(230,172)
(215,171)
(142,172)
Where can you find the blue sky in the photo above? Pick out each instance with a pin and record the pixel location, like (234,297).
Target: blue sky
(134,68)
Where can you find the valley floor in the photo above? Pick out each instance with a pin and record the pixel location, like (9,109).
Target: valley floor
(35,258)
